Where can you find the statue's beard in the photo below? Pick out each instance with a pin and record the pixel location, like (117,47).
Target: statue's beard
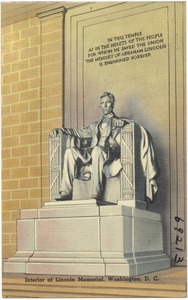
(107,111)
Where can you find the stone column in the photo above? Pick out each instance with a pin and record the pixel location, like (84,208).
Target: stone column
(51,84)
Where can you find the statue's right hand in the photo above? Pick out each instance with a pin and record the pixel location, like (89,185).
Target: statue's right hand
(54,133)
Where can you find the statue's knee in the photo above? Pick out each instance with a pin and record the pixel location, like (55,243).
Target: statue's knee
(96,151)
(68,152)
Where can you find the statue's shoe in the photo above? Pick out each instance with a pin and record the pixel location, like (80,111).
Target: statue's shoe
(96,197)
(100,200)
(64,197)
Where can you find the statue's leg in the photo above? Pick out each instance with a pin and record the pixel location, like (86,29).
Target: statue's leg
(98,158)
(69,169)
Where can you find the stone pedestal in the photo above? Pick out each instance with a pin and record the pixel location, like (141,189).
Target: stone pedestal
(81,238)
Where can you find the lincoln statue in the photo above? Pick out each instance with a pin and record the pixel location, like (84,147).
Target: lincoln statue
(102,154)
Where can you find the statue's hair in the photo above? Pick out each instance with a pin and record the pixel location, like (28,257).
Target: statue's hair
(112,98)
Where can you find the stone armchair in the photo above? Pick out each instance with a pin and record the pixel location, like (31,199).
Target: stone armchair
(129,186)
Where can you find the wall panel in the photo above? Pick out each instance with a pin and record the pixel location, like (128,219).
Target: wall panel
(135,51)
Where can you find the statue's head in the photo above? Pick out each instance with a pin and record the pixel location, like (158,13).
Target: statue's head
(107,101)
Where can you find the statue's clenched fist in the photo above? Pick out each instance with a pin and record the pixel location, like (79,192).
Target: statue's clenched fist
(117,123)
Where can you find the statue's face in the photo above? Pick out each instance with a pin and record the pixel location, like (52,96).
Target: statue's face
(106,105)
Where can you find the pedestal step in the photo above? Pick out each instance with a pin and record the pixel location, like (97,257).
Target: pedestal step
(81,238)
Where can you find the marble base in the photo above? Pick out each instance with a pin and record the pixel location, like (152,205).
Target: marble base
(81,238)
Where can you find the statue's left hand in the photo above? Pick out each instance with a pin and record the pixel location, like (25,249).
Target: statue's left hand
(118,123)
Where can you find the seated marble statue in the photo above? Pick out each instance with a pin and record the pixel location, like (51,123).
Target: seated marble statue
(102,153)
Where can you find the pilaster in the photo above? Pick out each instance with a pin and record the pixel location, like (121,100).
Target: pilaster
(51,83)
